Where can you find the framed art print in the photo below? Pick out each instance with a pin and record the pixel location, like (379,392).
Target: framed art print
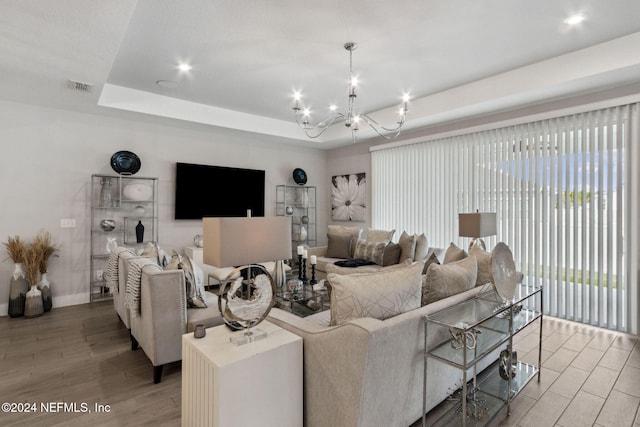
(348,197)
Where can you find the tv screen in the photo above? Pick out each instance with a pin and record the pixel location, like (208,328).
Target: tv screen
(217,191)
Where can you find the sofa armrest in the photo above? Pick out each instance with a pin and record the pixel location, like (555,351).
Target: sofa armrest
(159,326)
(319,251)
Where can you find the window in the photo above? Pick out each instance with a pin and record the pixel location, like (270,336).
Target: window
(564,191)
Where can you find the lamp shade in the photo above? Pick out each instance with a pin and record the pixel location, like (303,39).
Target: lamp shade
(477,224)
(244,240)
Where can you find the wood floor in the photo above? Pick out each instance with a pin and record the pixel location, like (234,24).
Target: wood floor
(82,355)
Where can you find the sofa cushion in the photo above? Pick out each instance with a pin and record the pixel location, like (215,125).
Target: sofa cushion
(370,251)
(485,265)
(379,295)
(339,246)
(442,281)
(341,230)
(422,246)
(454,253)
(376,236)
(391,254)
(407,244)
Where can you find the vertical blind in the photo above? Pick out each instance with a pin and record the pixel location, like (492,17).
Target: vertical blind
(565,191)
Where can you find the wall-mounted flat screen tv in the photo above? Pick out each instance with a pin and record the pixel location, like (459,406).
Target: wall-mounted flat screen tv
(217,191)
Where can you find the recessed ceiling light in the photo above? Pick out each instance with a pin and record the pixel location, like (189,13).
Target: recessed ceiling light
(184,67)
(574,19)
(167,84)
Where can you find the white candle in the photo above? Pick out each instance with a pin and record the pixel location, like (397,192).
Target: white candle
(300,249)
(305,254)
(314,260)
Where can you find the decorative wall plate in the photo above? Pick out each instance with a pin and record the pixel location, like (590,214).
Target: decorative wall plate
(125,163)
(504,272)
(299,176)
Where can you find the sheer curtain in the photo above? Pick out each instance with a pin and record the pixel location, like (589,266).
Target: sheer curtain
(565,191)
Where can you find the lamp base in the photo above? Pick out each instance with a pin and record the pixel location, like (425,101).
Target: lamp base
(245,337)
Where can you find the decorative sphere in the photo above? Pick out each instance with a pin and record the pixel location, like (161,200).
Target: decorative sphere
(305,219)
(289,210)
(139,211)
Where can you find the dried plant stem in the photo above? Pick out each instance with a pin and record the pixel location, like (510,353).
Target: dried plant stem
(16,249)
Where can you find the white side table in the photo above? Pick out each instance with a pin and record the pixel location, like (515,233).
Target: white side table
(256,384)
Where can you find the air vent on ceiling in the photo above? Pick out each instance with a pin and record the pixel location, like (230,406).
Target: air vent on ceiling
(80,86)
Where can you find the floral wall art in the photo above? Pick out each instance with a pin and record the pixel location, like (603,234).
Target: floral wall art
(348,194)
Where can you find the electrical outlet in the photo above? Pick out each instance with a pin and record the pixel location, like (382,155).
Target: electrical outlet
(100,274)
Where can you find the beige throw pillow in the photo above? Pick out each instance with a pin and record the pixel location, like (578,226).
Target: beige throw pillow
(407,244)
(391,254)
(341,230)
(442,281)
(422,246)
(339,246)
(454,253)
(485,265)
(379,295)
(377,236)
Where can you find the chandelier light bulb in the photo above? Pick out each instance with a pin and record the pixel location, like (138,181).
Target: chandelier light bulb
(333,107)
(306,112)
(405,97)
(184,67)
(297,95)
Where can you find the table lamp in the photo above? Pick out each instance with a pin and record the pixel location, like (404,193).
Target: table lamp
(477,225)
(243,242)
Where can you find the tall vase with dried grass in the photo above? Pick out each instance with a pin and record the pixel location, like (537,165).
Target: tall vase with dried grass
(33,306)
(46,249)
(18,286)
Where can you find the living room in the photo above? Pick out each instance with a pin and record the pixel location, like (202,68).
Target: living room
(55,138)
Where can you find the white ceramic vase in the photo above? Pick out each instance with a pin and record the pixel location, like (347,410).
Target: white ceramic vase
(45,287)
(18,288)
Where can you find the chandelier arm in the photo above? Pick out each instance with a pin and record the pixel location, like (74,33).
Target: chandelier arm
(317,130)
(394,132)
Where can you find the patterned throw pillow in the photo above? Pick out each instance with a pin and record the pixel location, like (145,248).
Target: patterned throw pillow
(370,251)
(442,281)
(379,295)
(193,277)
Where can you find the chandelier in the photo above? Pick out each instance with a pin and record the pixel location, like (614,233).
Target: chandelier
(352,119)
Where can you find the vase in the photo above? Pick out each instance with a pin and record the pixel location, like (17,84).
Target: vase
(106,200)
(45,287)
(303,233)
(139,232)
(279,275)
(33,306)
(18,289)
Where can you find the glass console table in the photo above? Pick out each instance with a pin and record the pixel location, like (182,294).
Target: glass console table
(471,331)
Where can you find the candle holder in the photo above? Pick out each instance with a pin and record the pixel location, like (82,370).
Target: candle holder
(304,270)
(313,275)
(299,267)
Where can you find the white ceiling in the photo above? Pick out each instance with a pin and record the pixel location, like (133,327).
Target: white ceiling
(457,58)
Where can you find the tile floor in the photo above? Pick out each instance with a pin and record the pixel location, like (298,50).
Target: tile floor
(590,377)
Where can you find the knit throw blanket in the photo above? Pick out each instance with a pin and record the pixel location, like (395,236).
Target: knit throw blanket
(111,273)
(132,297)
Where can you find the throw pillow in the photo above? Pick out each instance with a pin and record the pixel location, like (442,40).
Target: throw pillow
(442,281)
(341,230)
(370,251)
(485,265)
(407,244)
(391,255)
(193,278)
(339,246)
(379,295)
(422,245)
(433,259)
(156,253)
(377,236)
(454,253)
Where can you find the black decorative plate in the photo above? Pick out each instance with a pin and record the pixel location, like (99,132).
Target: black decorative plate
(125,163)
(299,176)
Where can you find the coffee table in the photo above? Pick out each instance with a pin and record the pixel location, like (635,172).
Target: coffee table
(302,303)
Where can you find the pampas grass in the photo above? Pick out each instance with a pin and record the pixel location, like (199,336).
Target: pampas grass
(16,249)
(31,263)
(45,248)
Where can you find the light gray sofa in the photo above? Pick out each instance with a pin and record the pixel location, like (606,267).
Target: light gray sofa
(368,372)
(163,316)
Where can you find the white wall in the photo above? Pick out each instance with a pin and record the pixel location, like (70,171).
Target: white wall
(47,157)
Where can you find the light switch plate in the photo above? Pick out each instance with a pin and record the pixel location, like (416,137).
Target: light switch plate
(68,222)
